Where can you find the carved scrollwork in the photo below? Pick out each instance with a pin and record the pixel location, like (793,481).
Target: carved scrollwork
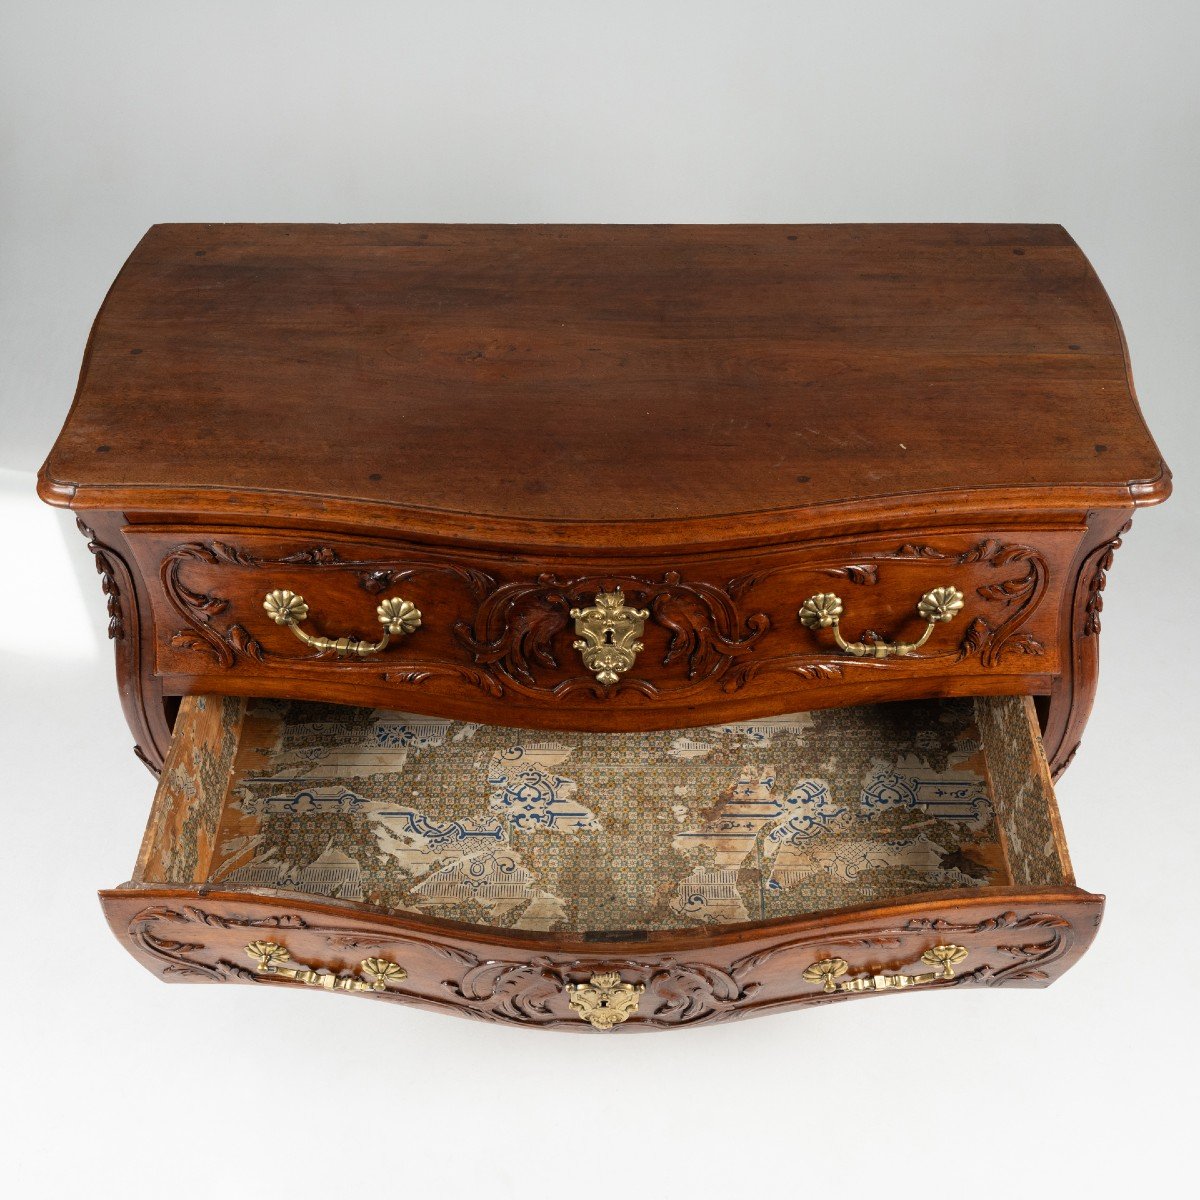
(229,643)
(515,629)
(179,956)
(690,993)
(989,639)
(511,991)
(860,573)
(1030,959)
(176,954)
(1021,594)
(795,664)
(535,991)
(198,608)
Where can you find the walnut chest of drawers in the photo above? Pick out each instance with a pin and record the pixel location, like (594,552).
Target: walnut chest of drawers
(605,627)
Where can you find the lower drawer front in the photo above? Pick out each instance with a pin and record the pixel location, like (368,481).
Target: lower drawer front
(595,881)
(1017,939)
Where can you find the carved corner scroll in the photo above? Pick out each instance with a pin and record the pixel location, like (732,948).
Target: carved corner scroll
(139,698)
(1020,594)
(199,608)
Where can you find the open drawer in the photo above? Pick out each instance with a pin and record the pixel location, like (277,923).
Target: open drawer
(583,880)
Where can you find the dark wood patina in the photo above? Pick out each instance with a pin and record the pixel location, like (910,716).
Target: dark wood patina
(498,422)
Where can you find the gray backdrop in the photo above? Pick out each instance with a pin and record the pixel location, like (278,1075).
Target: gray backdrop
(117,115)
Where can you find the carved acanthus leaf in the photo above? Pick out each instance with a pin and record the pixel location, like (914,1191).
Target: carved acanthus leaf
(108,582)
(1094,604)
(516,627)
(860,573)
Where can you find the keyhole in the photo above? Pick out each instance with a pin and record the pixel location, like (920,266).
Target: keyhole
(608,637)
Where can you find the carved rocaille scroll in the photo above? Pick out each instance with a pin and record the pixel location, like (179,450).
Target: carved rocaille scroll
(227,643)
(199,608)
(514,634)
(1007,948)
(514,630)
(1019,595)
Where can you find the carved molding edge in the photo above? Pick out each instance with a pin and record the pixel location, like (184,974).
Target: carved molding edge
(146,762)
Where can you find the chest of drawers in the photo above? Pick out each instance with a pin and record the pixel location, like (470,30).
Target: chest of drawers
(605,627)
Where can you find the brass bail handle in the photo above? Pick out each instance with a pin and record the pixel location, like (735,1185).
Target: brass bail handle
(827,971)
(397,616)
(824,611)
(269,958)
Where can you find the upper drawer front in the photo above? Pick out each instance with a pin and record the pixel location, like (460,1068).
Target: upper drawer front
(721,636)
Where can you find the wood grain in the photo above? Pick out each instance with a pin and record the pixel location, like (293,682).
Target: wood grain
(592,387)
(539,408)
(723,639)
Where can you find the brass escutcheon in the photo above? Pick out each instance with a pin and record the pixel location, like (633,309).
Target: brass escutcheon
(608,635)
(604,1001)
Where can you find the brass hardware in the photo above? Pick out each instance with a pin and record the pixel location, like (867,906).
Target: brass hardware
(379,972)
(604,1001)
(397,617)
(608,635)
(824,611)
(825,972)
(828,970)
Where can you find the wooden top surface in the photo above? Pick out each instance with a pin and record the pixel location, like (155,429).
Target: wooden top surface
(560,384)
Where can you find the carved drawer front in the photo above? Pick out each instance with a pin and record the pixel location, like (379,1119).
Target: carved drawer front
(607,644)
(598,882)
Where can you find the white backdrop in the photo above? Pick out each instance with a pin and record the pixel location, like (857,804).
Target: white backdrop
(117,115)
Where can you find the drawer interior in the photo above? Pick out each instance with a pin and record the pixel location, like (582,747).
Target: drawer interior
(595,833)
